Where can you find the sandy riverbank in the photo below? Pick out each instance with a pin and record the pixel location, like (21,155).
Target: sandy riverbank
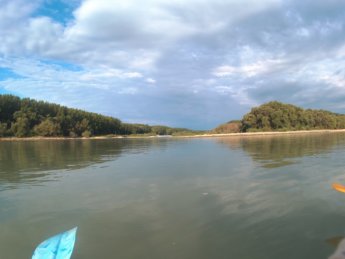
(206,135)
(265,133)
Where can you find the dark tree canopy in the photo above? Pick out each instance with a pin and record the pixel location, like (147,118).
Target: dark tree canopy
(274,116)
(27,117)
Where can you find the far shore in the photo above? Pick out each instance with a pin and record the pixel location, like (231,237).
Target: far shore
(265,133)
(206,135)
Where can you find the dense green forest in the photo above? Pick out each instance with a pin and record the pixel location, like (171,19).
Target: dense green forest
(276,116)
(27,117)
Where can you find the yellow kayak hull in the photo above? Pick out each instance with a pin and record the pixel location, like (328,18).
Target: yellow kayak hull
(339,187)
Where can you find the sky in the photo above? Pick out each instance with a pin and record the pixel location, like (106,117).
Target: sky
(181,63)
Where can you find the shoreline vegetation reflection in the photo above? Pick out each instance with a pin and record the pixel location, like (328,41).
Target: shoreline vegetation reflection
(19,159)
(273,151)
(24,161)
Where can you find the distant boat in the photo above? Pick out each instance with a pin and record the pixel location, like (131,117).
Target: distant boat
(57,247)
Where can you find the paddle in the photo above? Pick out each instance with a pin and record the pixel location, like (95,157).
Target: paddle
(57,247)
(339,187)
(340,251)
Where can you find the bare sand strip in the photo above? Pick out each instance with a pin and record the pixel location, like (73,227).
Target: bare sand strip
(265,133)
(207,135)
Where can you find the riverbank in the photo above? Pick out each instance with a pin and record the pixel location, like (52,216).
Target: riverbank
(206,135)
(264,133)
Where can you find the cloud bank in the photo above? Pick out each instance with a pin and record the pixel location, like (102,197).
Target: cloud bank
(193,63)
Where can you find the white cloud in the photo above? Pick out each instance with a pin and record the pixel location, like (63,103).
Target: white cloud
(335,80)
(248,70)
(262,66)
(151,80)
(325,70)
(41,79)
(108,74)
(222,71)
(15,11)
(144,61)
(103,29)
(25,35)
(132,75)
(224,89)
(41,35)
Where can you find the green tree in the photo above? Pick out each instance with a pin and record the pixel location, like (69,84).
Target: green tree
(86,134)
(81,126)
(47,128)
(280,116)
(3,129)
(21,128)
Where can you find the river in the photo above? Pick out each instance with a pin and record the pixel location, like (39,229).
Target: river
(233,197)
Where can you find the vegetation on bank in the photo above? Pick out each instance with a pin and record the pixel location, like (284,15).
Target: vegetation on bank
(27,117)
(233,126)
(276,116)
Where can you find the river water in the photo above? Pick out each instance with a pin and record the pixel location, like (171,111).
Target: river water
(214,198)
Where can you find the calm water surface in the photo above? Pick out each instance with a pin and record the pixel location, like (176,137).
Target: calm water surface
(250,198)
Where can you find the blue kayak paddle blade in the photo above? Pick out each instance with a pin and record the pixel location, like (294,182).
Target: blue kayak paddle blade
(57,247)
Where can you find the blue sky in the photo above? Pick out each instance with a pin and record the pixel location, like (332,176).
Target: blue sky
(183,63)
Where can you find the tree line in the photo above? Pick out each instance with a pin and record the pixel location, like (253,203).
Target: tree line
(277,116)
(27,117)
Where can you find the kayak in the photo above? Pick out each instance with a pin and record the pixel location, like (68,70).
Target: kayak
(59,246)
(339,187)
